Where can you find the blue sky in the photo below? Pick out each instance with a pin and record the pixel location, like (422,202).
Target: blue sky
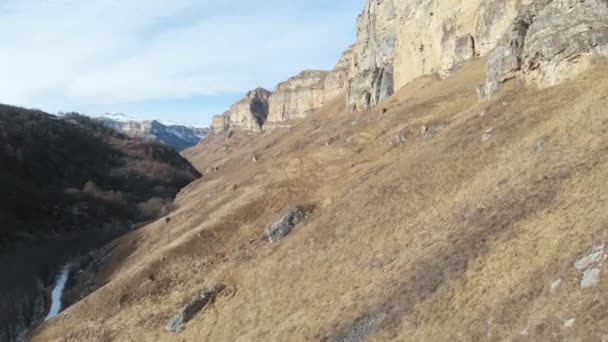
(179,60)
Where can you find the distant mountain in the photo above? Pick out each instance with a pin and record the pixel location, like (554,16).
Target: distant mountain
(179,137)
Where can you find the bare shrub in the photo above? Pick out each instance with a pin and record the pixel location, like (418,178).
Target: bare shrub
(91,189)
(155,207)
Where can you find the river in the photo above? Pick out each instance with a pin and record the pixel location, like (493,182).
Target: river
(62,280)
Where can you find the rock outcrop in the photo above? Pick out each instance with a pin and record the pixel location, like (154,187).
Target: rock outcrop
(178,322)
(398,41)
(550,41)
(371,72)
(301,95)
(220,123)
(295,98)
(249,114)
(336,82)
(285,224)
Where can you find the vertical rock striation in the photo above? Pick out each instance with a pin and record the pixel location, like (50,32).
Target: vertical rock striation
(549,42)
(295,98)
(371,72)
(248,114)
(399,41)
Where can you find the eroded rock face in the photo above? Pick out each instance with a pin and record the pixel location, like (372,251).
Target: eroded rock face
(550,41)
(371,72)
(249,114)
(297,97)
(220,123)
(399,41)
(301,95)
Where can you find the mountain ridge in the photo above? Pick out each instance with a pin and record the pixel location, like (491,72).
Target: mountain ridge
(180,137)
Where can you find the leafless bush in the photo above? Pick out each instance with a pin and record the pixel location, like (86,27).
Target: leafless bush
(155,207)
(91,189)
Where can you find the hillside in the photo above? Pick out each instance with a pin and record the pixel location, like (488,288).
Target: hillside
(444,218)
(445,182)
(179,137)
(70,185)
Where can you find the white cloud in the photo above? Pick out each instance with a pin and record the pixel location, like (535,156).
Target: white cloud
(58,53)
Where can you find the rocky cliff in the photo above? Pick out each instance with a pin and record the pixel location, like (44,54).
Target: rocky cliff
(298,96)
(295,98)
(548,42)
(399,41)
(301,95)
(248,114)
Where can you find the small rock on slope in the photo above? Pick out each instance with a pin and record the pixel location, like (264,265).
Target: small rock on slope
(285,224)
(178,322)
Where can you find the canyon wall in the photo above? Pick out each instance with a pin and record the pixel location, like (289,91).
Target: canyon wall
(546,41)
(399,41)
(301,95)
(248,114)
(295,98)
(549,42)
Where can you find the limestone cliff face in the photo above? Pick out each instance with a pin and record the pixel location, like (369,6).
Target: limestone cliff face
(297,97)
(336,82)
(220,123)
(249,114)
(549,42)
(301,95)
(398,41)
(371,73)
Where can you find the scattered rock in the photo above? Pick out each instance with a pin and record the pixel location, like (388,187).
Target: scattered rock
(360,329)
(595,257)
(487,135)
(283,226)
(556,285)
(569,323)
(178,322)
(399,139)
(591,278)
(254,158)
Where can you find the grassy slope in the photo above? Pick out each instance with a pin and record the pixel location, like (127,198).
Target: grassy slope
(446,236)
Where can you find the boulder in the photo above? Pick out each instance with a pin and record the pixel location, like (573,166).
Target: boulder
(179,321)
(285,224)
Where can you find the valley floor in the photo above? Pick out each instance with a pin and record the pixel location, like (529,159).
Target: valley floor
(442,219)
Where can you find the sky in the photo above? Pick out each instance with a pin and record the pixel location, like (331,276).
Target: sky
(174,60)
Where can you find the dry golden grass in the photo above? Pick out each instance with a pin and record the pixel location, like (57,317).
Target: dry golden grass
(415,218)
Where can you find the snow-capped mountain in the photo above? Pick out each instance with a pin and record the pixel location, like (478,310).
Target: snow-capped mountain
(178,136)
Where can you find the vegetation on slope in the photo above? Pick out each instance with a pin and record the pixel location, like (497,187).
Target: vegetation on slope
(72,173)
(70,185)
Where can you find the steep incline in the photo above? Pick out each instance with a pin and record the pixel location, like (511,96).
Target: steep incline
(440,219)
